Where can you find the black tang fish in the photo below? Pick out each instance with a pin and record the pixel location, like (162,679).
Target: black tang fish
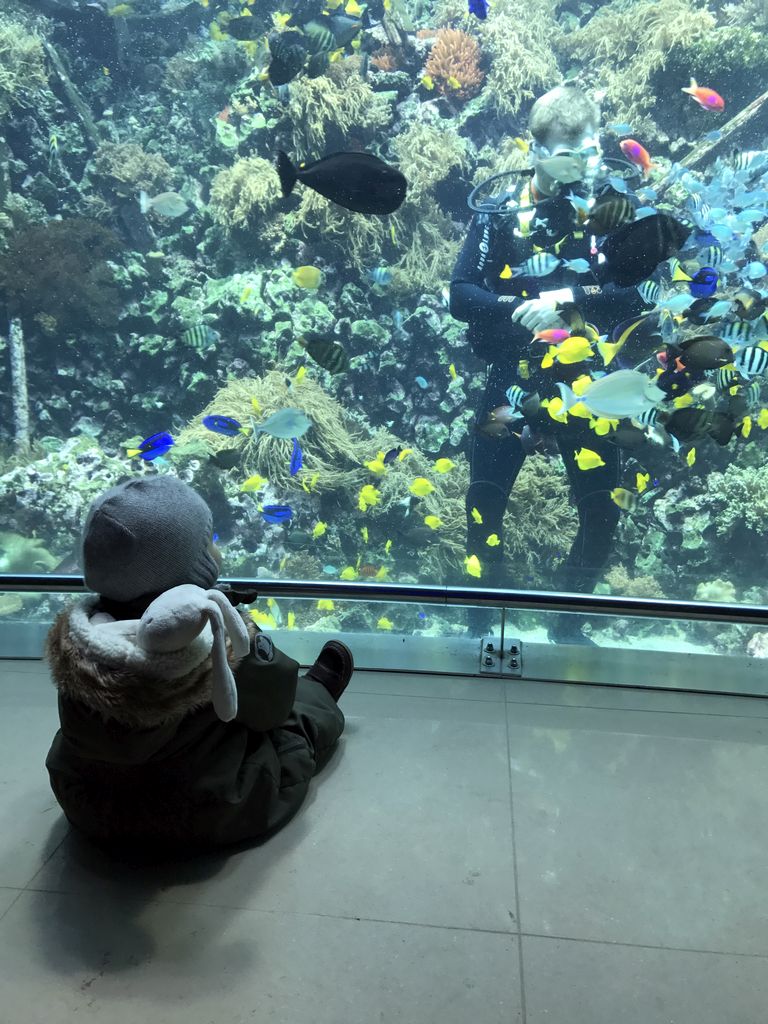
(633,251)
(357,181)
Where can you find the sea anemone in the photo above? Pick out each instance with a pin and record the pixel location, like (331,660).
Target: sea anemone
(455,57)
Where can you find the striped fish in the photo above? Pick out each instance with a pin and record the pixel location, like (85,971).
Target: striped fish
(726,378)
(736,333)
(743,161)
(319,37)
(328,354)
(650,291)
(200,337)
(539,265)
(712,256)
(751,361)
(649,417)
(516,396)
(753,393)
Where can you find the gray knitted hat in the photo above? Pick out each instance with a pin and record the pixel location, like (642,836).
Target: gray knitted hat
(145,536)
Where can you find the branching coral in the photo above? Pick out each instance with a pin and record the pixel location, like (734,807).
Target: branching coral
(358,239)
(632,586)
(455,58)
(426,154)
(59,270)
(333,105)
(623,45)
(22,65)
(130,168)
(742,493)
(250,187)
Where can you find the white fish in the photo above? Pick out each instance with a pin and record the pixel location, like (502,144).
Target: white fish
(617,395)
(286,423)
(751,361)
(167,204)
(539,265)
(580,266)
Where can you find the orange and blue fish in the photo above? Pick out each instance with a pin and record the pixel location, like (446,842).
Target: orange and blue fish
(706,98)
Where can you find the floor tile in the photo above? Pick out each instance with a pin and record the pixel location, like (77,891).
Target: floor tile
(570,982)
(642,828)
(91,958)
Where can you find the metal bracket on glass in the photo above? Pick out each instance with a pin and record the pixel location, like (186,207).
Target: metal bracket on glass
(501,659)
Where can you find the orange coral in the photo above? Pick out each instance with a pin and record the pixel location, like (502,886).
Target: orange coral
(455,58)
(385,59)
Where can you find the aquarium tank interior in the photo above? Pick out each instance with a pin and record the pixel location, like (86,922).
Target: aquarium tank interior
(454,293)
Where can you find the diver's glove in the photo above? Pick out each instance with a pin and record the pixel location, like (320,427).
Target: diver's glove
(537,315)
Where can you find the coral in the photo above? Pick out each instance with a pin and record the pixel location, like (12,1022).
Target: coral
(357,239)
(506,156)
(131,169)
(523,64)
(426,154)
(741,493)
(455,55)
(632,586)
(60,269)
(24,554)
(758,645)
(250,187)
(738,53)
(22,65)
(623,46)
(432,250)
(716,590)
(323,111)
(385,58)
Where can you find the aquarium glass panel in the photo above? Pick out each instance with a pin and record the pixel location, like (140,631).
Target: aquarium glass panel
(454,292)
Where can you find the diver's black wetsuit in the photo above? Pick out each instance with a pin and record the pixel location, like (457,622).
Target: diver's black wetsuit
(484,301)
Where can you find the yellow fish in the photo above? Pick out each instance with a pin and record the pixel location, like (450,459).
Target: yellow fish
(368,496)
(762,419)
(608,350)
(349,573)
(325,605)
(472,565)
(307,277)
(453,82)
(105,71)
(353,9)
(309,487)
(319,530)
(452,371)
(427,81)
(291,620)
(256,405)
(300,375)
(678,274)
(523,369)
(521,144)
(476,516)
(433,522)
(579,409)
(120,11)
(204,3)
(602,426)
(581,384)
(215,33)
(253,483)
(262,618)
(247,292)
(245,13)
(572,350)
(364,532)
(746,426)
(444,465)
(377,465)
(641,481)
(404,453)
(506,272)
(281,20)
(333,4)
(683,401)
(587,459)
(382,573)
(388,546)
(690,458)
(283,561)
(625,499)
(493,540)
(421,487)
(554,407)
(384,623)
(392,234)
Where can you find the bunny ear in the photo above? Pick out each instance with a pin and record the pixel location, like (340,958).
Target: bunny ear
(238,631)
(224,687)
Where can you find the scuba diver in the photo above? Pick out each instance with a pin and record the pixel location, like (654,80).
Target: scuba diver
(543,214)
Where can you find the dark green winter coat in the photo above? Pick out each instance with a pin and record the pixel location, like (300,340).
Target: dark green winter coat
(142,760)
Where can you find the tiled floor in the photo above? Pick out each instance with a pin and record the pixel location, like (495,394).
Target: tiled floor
(475,852)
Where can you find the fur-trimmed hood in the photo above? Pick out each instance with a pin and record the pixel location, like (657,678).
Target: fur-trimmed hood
(109,673)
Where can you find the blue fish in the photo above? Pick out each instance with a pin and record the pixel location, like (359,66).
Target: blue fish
(297,460)
(479,8)
(621,128)
(391,455)
(423,384)
(153,447)
(703,283)
(224,425)
(276,513)
(714,136)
